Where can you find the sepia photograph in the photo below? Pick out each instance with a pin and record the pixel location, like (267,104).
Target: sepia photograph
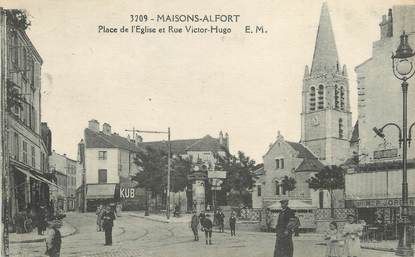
(207,128)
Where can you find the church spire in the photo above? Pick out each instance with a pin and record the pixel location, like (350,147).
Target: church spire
(325,56)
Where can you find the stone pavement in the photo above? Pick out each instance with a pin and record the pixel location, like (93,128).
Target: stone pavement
(134,235)
(66,230)
(184,218)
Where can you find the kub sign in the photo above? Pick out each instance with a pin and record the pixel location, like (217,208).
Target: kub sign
(127,192)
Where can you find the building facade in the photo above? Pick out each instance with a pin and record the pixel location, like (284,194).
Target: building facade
(108,160)
(374,178)
(65,170)
(28,140)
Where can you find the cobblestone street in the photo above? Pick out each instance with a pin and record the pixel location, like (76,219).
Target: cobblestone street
(134,236)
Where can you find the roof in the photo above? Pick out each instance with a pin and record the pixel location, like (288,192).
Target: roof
(100,140)
(310,165)
(325,51)
(303,152)
(260,171)
(207,143)
(355,133)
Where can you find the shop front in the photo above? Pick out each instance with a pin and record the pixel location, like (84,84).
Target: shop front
(380,216)
(104,194)
(30,191)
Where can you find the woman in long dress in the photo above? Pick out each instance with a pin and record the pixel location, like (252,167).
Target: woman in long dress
(332,240)
(351,232)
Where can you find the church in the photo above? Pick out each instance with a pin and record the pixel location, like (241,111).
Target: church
(326,132)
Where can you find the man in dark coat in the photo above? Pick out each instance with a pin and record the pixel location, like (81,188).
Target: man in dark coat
(284,243)
(108,218)
(194,224)
(221,220)
(207,227)
(53,239)
(232,223)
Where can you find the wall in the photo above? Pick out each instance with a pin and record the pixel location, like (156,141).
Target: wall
(93,164)
(376,83)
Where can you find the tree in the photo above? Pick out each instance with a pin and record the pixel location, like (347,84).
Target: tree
(330,178)
(288,183)
(240,177)
(181,167)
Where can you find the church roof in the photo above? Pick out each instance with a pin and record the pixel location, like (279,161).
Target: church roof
(310,165)
(101,140)
(303,152)
(355,133)
(325,52)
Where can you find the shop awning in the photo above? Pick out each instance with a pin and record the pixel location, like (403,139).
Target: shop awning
(293,204)
(101,191)
(37,177)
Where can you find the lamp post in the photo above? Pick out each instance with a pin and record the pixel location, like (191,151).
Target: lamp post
(403,69)
(168,164)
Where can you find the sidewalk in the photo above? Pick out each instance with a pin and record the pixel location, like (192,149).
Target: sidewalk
(386,245)
(66,230)
(184,218)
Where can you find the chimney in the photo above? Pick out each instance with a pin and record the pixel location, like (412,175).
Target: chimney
(221,137)
(139,139)
(106,129)
(93,125)
(386,25)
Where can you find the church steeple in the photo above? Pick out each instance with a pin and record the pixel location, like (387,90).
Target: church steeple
(325,56)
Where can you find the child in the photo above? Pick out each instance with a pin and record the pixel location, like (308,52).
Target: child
(332,240)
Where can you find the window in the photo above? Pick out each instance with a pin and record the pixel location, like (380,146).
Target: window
(342,105)
(336,97)
(102,176)
(33,155)
(277,188)
(259,190)
(16,146)
(279,163)
(24,152)
(320,97)
(340,128)
(102,155)
(312,99)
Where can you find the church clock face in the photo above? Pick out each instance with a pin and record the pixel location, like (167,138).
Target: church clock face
(315,121)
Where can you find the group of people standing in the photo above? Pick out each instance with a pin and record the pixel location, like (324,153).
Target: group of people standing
(105,221)
(349,235)
(206,224)
(288,224)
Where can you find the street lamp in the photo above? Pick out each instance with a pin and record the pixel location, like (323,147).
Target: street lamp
(403,69)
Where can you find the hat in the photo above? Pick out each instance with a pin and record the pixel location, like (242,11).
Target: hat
(284,201)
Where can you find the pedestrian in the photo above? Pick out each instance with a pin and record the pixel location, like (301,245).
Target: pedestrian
(201,218)
(41,220)
(221,219)
(108,218)
(332,240)
(99,213)
(53,239)
(351,232)
(207,227)
(232,223)
(194,225)
(284,243)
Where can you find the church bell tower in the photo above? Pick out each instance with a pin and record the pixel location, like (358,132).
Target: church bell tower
(326,120)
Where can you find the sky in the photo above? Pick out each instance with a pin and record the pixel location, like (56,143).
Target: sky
(248,85)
